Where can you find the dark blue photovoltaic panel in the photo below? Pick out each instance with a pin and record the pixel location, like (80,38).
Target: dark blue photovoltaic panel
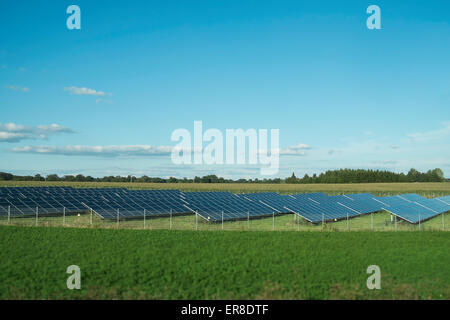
(314,196)
(319,207)
(445,199)
(406,209)
(366,202)
(359,207)
(212,206)
(272,200)
(411,197)
(136,203)
(434,204)
(106,202)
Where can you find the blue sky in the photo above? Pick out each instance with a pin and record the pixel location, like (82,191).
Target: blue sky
(137,70)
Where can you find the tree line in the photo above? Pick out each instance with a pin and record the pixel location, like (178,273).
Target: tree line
(369,176)
(330,176)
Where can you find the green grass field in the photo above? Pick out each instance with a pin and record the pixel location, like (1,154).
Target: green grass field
(180,259)
(162,264)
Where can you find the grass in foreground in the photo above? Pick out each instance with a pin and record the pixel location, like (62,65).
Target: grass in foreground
(161,264)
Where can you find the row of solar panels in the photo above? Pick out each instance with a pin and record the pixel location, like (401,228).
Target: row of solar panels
(213,206)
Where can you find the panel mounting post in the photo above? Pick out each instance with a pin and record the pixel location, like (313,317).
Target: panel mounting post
(248,220)
(144,218)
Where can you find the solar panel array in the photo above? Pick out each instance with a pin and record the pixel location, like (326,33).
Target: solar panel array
(317,207)
(273,200)
(106,202)
(412,207)
(25,201)
(137,203)
(215,206)
(112,203)
(445,199)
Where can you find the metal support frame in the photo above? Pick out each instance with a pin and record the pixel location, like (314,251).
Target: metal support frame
(144,219)
(323,221)
(196,220)
(248,220)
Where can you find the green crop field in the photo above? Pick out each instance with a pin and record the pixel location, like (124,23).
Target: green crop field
(162,264)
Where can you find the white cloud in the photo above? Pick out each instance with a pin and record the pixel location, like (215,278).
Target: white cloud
(431,135)
(85,91)
(296,150)
(102,151)
(17,88)
(12,132)
(54,128)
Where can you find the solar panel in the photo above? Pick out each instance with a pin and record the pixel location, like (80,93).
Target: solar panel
(212,206)
(358,207)
(273,200)
(134,203)
(365,201)
(316,207)
(411,197)
(409,210)
(445,199)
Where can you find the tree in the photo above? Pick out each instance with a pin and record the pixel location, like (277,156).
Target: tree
(291,179)
(6,176)
(52,177)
